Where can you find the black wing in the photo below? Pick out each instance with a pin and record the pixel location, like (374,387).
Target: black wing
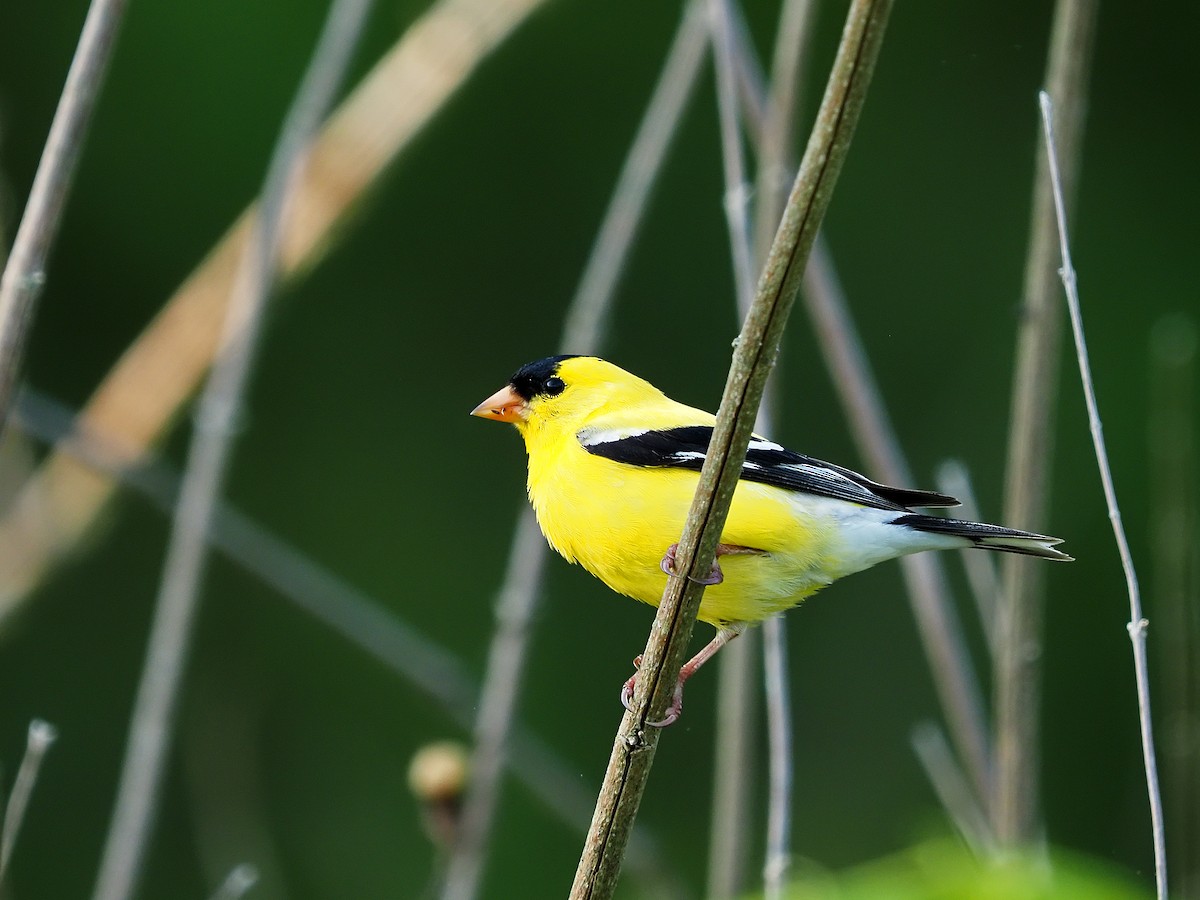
(766,463)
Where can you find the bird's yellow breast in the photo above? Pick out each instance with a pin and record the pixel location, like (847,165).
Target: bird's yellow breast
(618,520)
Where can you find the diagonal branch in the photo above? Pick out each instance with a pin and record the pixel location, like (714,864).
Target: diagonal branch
(584,331)
(24,273)
(346,611)
(928,594)
(144,391)
(151,726)
(754,356)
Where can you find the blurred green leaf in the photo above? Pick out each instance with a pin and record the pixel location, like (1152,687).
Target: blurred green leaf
(945,870)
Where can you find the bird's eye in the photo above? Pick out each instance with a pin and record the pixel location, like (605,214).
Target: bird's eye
(553,387)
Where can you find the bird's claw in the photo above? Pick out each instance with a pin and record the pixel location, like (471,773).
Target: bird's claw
(673,711)
(715,575)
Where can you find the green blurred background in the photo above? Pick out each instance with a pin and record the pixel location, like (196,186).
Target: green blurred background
(293,744)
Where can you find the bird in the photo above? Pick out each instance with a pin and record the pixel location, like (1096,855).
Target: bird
(613,466)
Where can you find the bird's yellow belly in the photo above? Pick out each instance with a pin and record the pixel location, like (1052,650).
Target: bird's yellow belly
(617,521)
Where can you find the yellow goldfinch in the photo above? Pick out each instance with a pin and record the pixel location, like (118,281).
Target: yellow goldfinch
(613,465)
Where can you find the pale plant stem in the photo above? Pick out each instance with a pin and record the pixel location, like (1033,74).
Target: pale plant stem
(779,759)
(1016,680)
(345,610)
(138,399)
(1138,624)
(754,356)
(775,150)
(586,317)
(737,188)
(41,736)
(152,721)
(775,164)
(733,768)
(952,788)
(751,85)
(954,479)
(515,606)
(941,633)
(237,883)
(584,330)
(25,269)
(733,757)
(929,597)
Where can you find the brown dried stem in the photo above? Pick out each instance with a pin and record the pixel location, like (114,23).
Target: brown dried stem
(140,397)
(1017,674)
(152,722)
(584,331)
(754,356)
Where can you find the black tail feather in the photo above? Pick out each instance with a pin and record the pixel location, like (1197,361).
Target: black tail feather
(988,537)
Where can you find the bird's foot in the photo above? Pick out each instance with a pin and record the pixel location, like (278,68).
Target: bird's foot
(673,711)
(715,575)
(627,688)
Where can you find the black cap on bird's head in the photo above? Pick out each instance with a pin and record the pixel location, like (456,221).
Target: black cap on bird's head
(535,379)
(539,378)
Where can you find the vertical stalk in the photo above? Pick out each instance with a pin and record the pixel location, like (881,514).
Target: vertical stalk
(25,270)
(1138,624)
(585,328)
(152,723)
(736,687)
(1017,673)
(928,595)
(754,356)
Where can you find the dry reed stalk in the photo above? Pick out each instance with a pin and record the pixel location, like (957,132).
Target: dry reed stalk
(585,329)
(1017,671)
(1138,624)
(754,356)
(152,722)
(143,393)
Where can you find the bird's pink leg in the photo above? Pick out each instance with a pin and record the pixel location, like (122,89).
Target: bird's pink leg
(723,637)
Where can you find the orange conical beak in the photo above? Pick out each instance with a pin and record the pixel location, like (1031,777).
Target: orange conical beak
(506,405)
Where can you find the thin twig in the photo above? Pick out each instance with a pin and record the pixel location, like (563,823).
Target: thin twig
(357,617)
(493,725)
(952,788)
(754,356)
(775,163)
(928,595)
(584,330)
(239,880)
(751,81)
(734,765)
(954,479)
(158,692)
(586,320)
(141,395)
(736,694)
(775,151)
(737,187)
(41,736)
(778,857)
(25,270)
(1138,624)
(1016,668)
